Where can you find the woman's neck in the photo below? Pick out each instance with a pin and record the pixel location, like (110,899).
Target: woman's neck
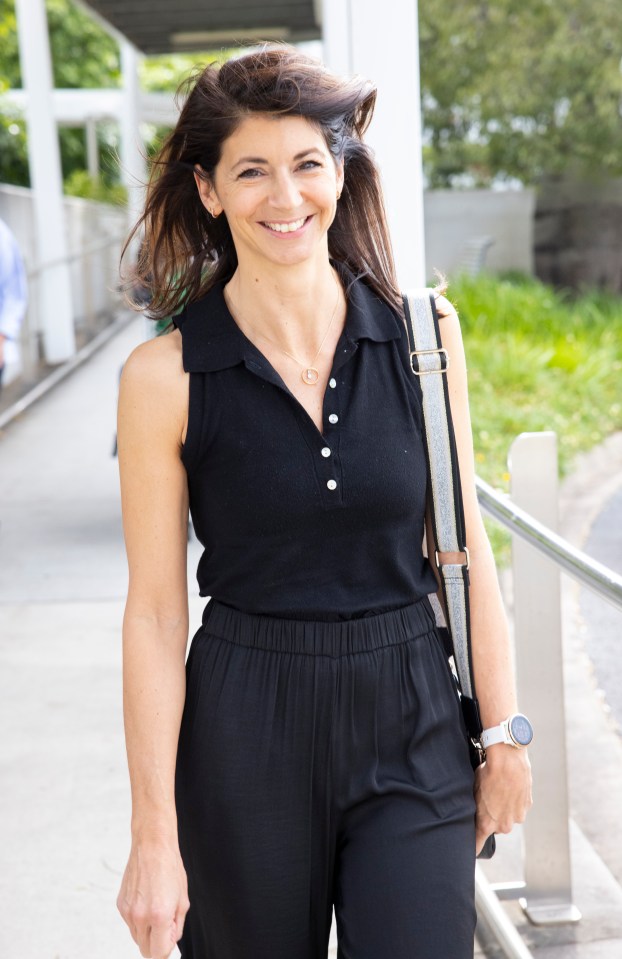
(290,305)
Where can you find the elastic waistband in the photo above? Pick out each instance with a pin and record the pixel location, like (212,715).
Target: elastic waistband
(319,637)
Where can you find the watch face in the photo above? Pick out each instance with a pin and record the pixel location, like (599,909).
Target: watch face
(521,730)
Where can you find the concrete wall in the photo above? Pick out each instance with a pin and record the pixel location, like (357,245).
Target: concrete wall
(453,218)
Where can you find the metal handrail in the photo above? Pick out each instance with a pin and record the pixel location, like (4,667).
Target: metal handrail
(599,578)
(33,272)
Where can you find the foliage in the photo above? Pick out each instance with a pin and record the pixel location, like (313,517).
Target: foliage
(79,183)
(515,90)
(538,359)
(13,150)
(83,54)
(164,73)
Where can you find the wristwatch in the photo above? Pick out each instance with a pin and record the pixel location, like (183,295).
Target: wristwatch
(516,730)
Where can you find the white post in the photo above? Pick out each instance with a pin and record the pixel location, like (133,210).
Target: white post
(54,287)
(540,681)
(382,43)
(133,171)
(92,150)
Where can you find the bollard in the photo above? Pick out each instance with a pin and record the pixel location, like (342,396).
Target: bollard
(539,673)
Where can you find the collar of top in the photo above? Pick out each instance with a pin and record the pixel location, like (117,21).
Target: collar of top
(212,340)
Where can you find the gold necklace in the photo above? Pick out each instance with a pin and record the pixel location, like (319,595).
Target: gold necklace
(309,373)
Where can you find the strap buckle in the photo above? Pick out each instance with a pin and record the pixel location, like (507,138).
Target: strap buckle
(439,350)
(466,565)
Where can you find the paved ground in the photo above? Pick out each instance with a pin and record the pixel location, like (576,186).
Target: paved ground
(64,825)
(605,622)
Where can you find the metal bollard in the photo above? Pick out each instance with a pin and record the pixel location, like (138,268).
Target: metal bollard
(539,672)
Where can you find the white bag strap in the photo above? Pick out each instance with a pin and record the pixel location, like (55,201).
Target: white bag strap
(429,362)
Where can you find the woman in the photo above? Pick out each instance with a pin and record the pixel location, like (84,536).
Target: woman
(312,751)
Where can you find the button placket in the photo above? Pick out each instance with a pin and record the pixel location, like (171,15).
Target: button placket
(333,475)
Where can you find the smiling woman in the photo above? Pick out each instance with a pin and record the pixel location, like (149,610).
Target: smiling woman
(311,751)
(287,194)
(332,114)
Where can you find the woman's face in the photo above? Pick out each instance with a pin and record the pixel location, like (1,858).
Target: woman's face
(277,184)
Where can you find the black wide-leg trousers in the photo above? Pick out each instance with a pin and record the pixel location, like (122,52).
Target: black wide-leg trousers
(324,763)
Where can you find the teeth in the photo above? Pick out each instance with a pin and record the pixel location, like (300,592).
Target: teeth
(286,227)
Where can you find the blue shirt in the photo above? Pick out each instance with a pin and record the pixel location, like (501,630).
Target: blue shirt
(13,296)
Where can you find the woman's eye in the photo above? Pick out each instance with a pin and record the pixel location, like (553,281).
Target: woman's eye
(250,173)
(309,164)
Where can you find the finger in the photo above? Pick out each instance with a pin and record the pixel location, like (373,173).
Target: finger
(480,841)
(162,940)
(180,918)
(142,938)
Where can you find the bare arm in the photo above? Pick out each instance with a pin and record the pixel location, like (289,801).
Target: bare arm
(153,897)
(503,785)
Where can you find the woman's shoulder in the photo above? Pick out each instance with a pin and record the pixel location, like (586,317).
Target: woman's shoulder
(154,373)
(444,307)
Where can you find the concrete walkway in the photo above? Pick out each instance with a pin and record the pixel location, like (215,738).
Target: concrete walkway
(64,804)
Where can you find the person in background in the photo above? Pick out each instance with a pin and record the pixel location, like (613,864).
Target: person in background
(13,295)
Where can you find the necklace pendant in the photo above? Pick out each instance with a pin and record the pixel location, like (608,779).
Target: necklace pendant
(310,376)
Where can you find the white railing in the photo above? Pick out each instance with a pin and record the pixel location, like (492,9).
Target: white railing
(539,555)
(96,298)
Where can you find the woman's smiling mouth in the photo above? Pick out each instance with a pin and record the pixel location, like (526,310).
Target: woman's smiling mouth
(293,226)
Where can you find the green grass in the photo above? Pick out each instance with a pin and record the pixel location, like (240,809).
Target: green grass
(538,359)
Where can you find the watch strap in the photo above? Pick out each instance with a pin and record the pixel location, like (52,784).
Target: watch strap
(494,735)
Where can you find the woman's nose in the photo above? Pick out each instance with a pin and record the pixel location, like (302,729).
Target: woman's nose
(285,193)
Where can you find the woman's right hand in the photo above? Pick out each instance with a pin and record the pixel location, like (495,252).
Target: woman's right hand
(153,898)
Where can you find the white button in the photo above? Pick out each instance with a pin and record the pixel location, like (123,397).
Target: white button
(332,484)
(332,382)
(333,418)
(325,451)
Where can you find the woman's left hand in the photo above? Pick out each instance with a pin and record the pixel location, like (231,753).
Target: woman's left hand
(502,791)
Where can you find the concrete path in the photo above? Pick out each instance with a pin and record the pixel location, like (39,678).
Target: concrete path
(62,583)
(64,827)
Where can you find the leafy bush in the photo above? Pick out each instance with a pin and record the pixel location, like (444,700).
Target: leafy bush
(79,183)
(538,359)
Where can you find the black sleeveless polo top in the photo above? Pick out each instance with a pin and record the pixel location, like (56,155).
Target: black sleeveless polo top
(296,522)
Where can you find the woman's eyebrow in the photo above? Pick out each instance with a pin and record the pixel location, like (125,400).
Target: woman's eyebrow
(298,156)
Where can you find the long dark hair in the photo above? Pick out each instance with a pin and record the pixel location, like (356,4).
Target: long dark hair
(184,251)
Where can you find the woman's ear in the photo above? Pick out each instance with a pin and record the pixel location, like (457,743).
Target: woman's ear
(206,192)
(340,178)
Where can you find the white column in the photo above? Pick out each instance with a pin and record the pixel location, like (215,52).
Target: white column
(54,286)
(133,169)
(381,42)
(92,149)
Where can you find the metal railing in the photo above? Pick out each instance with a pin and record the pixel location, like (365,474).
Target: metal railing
(538,556)
(96,298)
(600,579)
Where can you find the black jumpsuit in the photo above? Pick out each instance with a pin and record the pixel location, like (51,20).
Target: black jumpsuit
(322,755)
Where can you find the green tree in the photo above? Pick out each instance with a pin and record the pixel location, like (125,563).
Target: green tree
(520,88)
(83,55)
